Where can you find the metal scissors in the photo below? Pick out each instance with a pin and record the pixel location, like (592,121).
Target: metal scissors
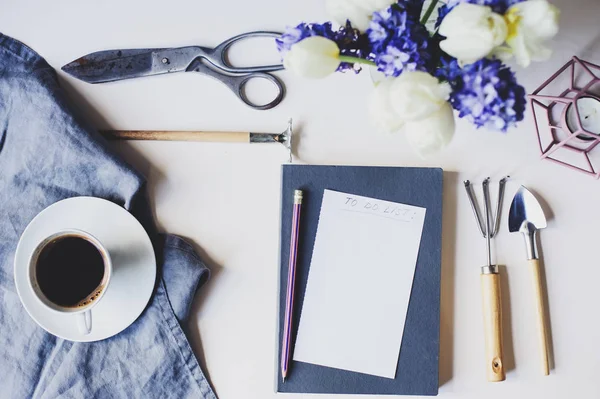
(112,65)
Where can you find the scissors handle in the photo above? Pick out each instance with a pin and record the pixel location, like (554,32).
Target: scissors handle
(219,54)
(237,82)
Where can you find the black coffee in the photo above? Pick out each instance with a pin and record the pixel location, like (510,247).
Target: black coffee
(69,270)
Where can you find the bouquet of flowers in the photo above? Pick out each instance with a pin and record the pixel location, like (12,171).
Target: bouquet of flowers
(456,63)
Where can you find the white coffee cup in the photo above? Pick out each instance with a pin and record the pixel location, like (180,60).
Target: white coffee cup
(82,309)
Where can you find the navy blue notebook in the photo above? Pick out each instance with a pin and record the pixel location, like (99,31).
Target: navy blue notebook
(417,372)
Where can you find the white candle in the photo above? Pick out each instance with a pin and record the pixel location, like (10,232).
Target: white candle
(589,112)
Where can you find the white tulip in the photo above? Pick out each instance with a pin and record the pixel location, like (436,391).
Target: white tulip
(530,24)
(416,95)
(313,57)
(380,108)
(430,135)
(416,102)
(357,11)
(472,32)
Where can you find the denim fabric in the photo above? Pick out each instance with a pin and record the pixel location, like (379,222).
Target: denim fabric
(48,154)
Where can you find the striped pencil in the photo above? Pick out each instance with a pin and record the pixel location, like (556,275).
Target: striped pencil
(289,302)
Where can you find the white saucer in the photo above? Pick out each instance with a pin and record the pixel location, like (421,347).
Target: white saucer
(134,266)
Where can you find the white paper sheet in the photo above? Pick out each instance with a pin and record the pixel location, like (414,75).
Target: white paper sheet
(359,284)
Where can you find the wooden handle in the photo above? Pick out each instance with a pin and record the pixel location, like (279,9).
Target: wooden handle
(492,323)
(534,265)
(171,135)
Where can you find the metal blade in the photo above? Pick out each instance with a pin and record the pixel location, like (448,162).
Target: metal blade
(526,213)
(111,65)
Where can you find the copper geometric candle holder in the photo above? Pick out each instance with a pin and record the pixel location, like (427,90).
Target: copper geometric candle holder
(566,136)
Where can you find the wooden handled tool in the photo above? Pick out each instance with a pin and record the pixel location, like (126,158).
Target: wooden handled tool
(284,137)
(492,323)
(490,282)
(173,135)
(527,217)
(534,265)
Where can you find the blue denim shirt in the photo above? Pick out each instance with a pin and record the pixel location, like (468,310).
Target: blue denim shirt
(47,153)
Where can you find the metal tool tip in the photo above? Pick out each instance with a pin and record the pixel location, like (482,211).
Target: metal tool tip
(286,136)
(466,182)
(66,68)
(72,68)
(72,64)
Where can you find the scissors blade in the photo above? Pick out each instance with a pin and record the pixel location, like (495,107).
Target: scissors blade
(111,65)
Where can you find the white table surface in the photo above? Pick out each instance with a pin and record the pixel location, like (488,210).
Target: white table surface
(225,197)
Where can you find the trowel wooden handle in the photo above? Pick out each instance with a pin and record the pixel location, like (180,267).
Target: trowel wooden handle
(492,323)
(173,135)
(536,274)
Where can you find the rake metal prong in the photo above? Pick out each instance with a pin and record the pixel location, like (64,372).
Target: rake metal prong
(488,218)
(501,185)
(474,206)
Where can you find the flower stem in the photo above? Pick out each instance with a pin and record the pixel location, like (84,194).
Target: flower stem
(429,11)
(355,60)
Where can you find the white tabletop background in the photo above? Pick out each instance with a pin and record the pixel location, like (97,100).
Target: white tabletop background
(225,197)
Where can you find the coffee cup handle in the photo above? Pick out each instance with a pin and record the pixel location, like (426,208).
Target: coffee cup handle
(84,322)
